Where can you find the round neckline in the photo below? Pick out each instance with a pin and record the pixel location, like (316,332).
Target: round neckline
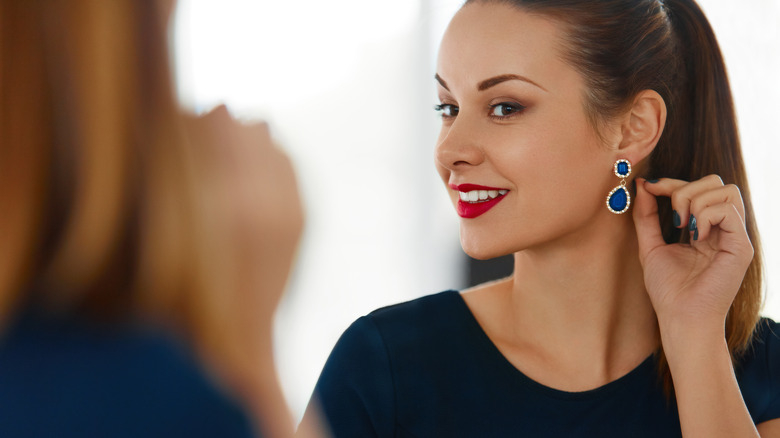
(514,373)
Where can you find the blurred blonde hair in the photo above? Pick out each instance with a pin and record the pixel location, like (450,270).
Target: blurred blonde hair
(99,211)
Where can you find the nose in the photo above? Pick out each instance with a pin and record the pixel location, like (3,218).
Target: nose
(457,147)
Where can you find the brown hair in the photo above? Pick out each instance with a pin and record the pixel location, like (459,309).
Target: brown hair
(623,47)
(99,212)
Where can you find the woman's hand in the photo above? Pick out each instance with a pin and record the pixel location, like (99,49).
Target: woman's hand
(693,285)
(250,197)
(249,191)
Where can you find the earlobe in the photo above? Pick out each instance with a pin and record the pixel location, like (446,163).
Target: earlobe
(643,126)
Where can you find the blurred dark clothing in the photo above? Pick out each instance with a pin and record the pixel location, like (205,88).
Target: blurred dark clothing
(69,378)
(426,368)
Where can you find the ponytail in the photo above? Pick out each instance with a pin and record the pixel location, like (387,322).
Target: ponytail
(702,138)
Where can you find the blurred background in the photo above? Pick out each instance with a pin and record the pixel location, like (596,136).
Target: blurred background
(347,86)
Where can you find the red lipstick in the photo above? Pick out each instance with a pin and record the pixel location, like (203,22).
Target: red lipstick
(469,204)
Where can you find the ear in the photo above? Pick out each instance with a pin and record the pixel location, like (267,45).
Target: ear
(642,126)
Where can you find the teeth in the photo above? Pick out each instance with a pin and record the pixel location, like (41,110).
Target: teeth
(481,195)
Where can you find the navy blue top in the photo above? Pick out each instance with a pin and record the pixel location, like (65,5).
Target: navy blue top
(69,379)
(426,368)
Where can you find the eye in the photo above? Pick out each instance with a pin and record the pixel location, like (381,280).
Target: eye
(505,109)
(447,110)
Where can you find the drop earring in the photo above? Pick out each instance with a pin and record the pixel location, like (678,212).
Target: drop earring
(618,199)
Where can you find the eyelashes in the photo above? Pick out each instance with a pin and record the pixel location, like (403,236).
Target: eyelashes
(499,111)
(447,110)
(505,109)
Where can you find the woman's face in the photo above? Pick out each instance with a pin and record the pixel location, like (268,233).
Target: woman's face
(514,130)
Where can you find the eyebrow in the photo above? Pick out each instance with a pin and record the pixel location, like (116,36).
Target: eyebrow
(492,82)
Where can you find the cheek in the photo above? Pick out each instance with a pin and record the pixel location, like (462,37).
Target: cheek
(556,169)
(531,157)
(574,150)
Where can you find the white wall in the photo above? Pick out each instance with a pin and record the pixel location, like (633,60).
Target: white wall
(347,87)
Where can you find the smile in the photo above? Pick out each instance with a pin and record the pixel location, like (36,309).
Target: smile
(477,200)
(481,195)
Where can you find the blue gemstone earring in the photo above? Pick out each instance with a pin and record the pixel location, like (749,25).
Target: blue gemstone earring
(618,199)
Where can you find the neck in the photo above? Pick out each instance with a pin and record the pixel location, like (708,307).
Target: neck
(582,300)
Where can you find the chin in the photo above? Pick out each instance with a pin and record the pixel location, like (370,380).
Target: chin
(481,250)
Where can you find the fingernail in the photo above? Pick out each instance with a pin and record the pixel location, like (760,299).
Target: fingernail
(675,218)
(691,223)
(696,234)
(652,181)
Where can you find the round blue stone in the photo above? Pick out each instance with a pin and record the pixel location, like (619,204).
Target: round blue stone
(618,200)
(622,168)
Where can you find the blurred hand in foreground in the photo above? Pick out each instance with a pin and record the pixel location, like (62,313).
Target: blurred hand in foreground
(254,215)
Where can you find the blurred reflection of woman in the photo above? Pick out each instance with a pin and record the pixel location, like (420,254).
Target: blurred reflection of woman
(141,252)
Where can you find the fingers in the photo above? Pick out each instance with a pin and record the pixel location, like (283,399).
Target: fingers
(690,198)
(251,183)
(727,219)
(646,221)
(713,214)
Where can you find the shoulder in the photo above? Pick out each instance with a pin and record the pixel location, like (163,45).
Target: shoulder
(382,331)
(170,379)
(758,372)
(429,311)
(358,387)
(120,382)
(766,339)
(423,330)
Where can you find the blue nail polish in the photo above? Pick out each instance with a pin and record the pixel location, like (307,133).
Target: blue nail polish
(652,181)
(675,218)
(691,223)
(696,234)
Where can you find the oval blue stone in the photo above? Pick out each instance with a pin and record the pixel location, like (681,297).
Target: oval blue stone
(618,200)
(622,168)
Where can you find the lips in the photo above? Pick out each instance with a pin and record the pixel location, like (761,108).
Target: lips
(476,200)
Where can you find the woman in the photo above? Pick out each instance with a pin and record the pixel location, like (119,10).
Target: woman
(140,265)
(612,324)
